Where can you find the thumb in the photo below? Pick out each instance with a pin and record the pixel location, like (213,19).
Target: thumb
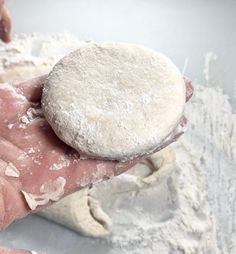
(5,25)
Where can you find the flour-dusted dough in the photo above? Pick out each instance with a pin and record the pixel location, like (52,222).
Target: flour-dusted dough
(82,212)
(114,100)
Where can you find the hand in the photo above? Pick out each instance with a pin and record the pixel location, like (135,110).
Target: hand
(5,23)
(36,167)
(14,251)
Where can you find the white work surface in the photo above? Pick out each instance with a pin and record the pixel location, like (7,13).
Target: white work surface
(184,30)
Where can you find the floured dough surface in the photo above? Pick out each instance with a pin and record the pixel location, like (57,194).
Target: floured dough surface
(114,100)
(83,212)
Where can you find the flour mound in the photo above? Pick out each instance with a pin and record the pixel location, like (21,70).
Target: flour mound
(114,100)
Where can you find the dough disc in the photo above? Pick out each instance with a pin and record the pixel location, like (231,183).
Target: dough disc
(114,101)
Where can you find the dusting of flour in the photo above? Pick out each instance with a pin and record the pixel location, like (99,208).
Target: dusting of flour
(192,208)
(189,209)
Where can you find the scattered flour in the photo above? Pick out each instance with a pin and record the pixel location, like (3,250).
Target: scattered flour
(188,209)
(62,162)
(24,55)
(191,208)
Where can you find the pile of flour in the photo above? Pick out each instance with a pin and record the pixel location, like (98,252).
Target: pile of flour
(189,208)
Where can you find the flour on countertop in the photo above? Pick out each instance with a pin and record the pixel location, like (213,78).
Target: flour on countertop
(190,209)
(31,56)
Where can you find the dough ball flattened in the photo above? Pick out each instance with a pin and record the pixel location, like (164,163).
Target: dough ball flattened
(113,101)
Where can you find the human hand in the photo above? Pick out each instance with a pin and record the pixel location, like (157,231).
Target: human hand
(36,168)
(5,23)
(15,251)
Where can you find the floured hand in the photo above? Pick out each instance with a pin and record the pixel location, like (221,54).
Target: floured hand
(36,168)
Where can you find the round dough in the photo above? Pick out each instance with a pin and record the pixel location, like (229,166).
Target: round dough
(114,101)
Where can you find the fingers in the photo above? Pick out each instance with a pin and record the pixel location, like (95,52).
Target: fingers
(10,152)
(5,25)
(93,171)
(52,180)
(31,89)
(189,88)
(15,251)
(179,130)
(12,204)
(44,169)
(50,171)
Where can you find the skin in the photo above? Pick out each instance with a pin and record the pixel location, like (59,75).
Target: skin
(29,146)
(16,251)
(30,149)
(5,23)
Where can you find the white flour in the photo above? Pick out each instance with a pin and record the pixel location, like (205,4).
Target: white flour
(190,210)
(198,199)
